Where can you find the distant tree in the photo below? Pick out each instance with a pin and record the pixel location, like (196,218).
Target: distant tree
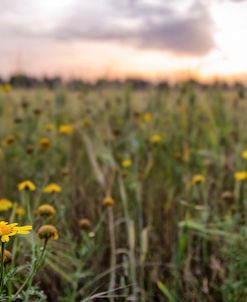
(138,83)
(163,85)
(76,84)
(51,82)
(21,80)
(241,90)
(104,83)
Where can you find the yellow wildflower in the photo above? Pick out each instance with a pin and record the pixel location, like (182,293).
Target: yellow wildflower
(85,224)
(45,210)
(20,211)
(37,111)
(147,117)
(66,129)
(7,256)
(9,140)
(44,142)
(24,104)
(227,195)
(52,188)
(26,185)
(240,176)
(29,149)
(7,87)
(49,127)
(48,231)
(65,171)
(86,122)
(155,139)
(7,230)
(126,163)
(5,204)
(197,179)
(244,154)
(108,202)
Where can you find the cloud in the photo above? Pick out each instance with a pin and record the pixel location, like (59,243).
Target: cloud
(143,25)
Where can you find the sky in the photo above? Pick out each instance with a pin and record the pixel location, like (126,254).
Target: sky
(150,39)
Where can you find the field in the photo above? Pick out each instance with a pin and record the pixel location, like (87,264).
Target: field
(132,195)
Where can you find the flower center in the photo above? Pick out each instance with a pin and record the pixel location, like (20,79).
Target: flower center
(5,229)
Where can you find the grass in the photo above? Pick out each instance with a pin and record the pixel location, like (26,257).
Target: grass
(163,237)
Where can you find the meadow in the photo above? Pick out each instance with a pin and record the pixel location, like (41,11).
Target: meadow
(132,195)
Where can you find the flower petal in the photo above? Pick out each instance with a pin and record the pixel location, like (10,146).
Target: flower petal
(5,238)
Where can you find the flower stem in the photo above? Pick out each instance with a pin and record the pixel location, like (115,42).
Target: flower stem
(113,252)
(128,229)
(2,267)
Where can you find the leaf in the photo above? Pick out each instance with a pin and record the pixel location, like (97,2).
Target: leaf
(166,292)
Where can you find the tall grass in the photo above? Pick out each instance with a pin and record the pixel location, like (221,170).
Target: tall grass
(164,237)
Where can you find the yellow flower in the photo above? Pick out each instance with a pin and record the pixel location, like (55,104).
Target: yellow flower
(85,224)
(240,176)
(49,127)
(197,179)
(5,204)
(45,210)
(126,163)
(29,149)
(24,104)
(244,154)
(7,87)
(9,140)
(7,230)
(20,211)
(52,188)
(65,171)
(48,231)
(44,142)
(26,185)
(37,111)
(66,129)
(147,117)
(155,139)
(86,122)
(108,202)
(227,195)
(1,154)
(7,257)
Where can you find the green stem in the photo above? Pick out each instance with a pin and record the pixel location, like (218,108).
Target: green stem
(35,268)
(2,267)
(131,251)
(29,213)
(113,252)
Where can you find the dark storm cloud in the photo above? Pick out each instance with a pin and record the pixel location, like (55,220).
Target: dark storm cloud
(158,27)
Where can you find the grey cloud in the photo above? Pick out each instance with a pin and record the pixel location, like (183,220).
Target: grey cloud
(147,25)
(159,27)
